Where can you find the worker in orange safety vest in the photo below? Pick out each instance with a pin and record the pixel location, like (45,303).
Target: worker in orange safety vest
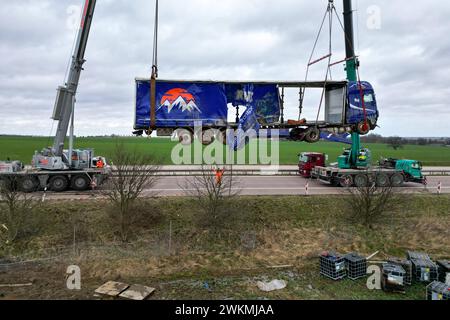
(219,176)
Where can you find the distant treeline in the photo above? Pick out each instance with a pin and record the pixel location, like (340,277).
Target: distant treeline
(371,138)
(376,138)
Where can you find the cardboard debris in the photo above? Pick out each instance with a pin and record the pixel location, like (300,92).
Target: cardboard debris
(137,292)
(112,289)
(271,286)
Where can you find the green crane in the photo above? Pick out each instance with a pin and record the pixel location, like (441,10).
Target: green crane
(355,157)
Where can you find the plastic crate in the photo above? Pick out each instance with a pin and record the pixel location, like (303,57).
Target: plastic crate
(356,266)
(438,291)
(332,265)
(393,279)
(444,271)
(425,270)
(406,265)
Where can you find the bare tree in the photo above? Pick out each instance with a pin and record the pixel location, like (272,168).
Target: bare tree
(133,173)
(16,209)
(214,194)
(371,203)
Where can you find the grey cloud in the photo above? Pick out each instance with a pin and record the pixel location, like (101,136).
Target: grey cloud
(407,59)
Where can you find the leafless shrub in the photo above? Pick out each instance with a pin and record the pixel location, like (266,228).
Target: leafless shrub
(133,173)
(16,211)
(214,198)
(371,203)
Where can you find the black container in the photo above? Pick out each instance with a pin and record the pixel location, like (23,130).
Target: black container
(444,271)
(406,265)
(425,270)
(356,266)
(438,291)
(393,279)
(332,265)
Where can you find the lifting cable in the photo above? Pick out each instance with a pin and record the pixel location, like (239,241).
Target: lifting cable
(329,11)
(360,87)
(311,62)
(154,72)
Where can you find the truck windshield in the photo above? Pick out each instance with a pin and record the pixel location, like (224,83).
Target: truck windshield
(304,158)
(368,98)
(416,165)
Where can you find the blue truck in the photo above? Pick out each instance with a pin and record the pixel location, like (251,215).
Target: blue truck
(180,105)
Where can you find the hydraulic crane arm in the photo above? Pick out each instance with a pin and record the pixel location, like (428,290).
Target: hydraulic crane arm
(65,99)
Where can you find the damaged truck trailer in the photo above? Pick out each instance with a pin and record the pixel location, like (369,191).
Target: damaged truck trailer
(181,105)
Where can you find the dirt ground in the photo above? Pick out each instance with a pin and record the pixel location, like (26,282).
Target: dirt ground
(278,239)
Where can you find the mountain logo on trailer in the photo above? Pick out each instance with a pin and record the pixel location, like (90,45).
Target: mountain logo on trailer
(180,99)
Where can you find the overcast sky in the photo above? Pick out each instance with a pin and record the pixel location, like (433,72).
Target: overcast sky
(404,48)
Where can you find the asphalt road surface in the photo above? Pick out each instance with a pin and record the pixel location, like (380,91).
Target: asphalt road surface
(261,186)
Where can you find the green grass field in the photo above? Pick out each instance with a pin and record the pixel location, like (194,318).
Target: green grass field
(22,148)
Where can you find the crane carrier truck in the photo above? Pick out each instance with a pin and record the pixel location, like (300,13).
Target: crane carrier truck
(54,168)
(354,166)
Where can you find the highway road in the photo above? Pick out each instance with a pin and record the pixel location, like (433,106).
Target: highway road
(260,186)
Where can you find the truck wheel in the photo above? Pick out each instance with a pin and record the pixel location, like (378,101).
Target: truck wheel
(208,137)
(29,184)
(346,181)
(59,183)
(185,137)
(80,183)
(361,181)
(383,180)
(312,135)
(397,180)
(222,137)
(297,134)
(363,127)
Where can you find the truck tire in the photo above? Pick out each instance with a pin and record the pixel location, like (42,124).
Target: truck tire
(80,183)
(397,180)
(382,180)
(312,135)
(346,181)
(208,137)
(361,181)
(297,134)
(222,137)
(363,127)
(28,184)
(185,137)
(58,183)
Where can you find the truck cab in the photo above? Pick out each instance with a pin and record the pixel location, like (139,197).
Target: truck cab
(411,169)
(308,161)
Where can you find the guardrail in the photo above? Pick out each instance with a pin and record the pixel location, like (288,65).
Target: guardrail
(436,173)
(268,172)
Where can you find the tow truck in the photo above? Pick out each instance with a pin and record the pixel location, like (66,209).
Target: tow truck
(55,168)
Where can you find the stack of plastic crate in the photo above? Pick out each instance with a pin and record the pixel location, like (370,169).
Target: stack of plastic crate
(444,271)
(438,291)
(424,269)
(332,265)
(356,266)
(393,279)
(406,265)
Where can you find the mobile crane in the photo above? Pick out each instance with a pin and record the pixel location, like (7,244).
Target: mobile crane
(55,168)
(354,166)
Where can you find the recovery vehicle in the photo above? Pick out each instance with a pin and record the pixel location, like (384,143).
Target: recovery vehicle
(354,166)
(54,168)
